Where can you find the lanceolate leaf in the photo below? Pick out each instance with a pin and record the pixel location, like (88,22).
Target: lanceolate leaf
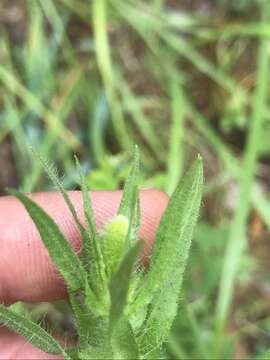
(161,314)
(92,253)
(130,202)
(131,187)
(55,180)
(181,215)
(120,283)
(173,239)
(31,331)
(59,249)
(88,210)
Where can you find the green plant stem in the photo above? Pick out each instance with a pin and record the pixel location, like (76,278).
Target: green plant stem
(236,241)
(106,70)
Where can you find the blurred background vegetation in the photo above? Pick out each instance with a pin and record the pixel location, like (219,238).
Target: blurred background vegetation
(177,77)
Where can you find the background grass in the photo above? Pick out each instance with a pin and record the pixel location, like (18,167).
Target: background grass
(177,78)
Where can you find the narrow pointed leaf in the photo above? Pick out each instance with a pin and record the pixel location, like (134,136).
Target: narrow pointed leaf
(131,186)
(173,244)
(88,210)
(130,202)
(174,236)
(59,249)
(161,313)
(50,171)
(31,331)
(120,283)
(92,253)
(86,235)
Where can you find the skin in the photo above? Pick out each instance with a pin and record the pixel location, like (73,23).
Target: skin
(26,271)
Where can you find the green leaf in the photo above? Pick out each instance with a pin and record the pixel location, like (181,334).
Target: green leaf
(94,353)
(81,303)
(88,210)
(123,341)
(169,256)
(131,186)
(130,202)
(58,247)
(51,172)
(92,253)
(120,283)
(31,331)
(66,261)
(160,316)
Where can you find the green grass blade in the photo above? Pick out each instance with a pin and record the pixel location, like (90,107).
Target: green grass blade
(34,104)
(120,283)
(141,121)
(31,331)
(174,236)
(175,158)
(104,60)
(59,249)
(236,241)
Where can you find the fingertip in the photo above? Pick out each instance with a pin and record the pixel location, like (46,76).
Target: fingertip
(26,270)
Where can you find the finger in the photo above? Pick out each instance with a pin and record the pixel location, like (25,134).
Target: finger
(26,271)
(16,347)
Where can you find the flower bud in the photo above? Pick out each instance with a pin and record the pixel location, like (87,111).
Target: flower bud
(114,237)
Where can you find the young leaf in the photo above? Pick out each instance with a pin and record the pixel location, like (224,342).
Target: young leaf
(31,331)
(173,239)
(55,180)
(88,210)
(59,249)
(120,282)
(92,253)
(131,186)
(130,202)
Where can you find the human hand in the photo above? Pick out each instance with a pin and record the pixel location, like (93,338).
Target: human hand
(26,270)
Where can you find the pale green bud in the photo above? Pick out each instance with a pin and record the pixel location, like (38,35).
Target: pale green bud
(114,237)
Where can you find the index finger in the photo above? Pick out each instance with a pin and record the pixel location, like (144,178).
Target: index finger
(26,270)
